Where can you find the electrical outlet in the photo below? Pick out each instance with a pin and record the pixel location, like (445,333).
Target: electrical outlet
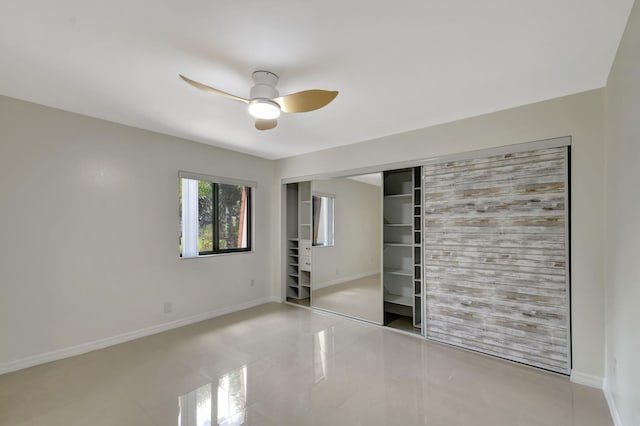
(615,365)
(253,282)
(337,271)
(168,307)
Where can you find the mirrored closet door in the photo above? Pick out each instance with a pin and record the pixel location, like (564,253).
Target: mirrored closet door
(361,256)
(346,246)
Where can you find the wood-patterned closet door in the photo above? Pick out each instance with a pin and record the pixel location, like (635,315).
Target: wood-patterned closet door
(496,256)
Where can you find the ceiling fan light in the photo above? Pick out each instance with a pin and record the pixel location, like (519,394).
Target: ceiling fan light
(264,109)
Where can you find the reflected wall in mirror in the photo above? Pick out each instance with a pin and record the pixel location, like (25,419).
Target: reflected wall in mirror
(346,275)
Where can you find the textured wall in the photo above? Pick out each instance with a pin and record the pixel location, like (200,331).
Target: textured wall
(496,255)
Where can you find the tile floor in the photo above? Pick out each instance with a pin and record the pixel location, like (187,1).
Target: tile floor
(282,365)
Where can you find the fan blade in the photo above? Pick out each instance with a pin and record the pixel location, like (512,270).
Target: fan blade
(265,124)
(213,90)
(308,100)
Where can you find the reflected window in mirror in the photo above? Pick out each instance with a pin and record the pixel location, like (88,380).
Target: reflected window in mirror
(323,221)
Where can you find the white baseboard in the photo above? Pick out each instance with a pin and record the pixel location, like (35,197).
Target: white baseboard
(599,383)
(30,361)
(586,379)
(340,280)
(615,415)
(274,299)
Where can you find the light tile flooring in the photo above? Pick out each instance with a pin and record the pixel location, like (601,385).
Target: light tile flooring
(283,365)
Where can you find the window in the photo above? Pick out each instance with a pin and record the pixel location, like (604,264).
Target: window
(323,220)
(215,215)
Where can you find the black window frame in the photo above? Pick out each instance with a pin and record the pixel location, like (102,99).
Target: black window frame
(216,222)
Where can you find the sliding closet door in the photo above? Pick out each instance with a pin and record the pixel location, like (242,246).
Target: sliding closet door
(496,256)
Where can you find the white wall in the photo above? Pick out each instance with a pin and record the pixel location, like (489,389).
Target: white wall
(89,230)
(357,248)
(622,140)
(580,116)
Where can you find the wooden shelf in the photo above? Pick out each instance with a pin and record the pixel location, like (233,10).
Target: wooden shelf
(398,224)
(398,245)
(398,300)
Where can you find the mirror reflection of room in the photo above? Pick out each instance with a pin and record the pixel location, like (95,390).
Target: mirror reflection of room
(346,250)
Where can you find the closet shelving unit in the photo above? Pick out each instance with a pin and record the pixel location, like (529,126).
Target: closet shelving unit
(402,291)
(417,250)
(304,221)
(298,266)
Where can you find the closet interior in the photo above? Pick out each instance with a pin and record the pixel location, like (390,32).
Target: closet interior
(402,248)
(298,249)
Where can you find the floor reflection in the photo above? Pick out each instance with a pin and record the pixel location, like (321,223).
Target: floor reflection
(361,298)
(197,409)
(320,353)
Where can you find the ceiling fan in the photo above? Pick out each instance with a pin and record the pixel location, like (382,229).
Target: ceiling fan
(265,103)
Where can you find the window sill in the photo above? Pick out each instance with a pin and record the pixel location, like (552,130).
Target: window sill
(217,255)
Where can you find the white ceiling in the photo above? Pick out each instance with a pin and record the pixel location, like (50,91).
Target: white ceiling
(398,65)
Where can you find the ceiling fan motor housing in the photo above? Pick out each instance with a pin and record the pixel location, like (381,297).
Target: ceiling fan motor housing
(265,85)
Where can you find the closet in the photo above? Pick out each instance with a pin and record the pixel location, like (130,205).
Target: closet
(475,251)
(298,248)
(402,248)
